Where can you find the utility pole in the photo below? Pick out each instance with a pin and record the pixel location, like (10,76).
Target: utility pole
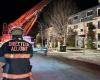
(41,30)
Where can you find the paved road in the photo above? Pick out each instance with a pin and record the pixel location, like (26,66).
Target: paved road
(51,68)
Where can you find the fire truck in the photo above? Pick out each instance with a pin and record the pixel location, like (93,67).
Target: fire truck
(26,21)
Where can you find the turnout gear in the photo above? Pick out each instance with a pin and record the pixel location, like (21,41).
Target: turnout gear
(17,53)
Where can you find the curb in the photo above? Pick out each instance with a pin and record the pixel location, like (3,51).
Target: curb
(87,60)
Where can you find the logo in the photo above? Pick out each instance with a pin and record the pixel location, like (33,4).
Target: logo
(19,46)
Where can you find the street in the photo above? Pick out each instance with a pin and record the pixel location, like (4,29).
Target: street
(57,68)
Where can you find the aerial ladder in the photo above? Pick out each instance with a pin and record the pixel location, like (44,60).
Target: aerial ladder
(26,21)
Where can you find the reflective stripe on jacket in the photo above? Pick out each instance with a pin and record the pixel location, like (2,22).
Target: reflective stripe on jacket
(16,76)
(14,56)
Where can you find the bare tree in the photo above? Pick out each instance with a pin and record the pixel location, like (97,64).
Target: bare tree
(71,37)
(56,15)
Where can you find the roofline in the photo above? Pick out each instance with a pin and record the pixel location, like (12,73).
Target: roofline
(84,10)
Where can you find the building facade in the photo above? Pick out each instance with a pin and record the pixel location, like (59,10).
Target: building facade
(87,25)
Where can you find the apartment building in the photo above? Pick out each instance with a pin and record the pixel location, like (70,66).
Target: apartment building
(85,23)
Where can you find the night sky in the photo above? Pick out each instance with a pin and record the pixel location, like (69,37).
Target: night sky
(10,10)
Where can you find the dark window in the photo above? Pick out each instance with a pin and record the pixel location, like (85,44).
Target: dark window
(98,46)
(76,26)
(69,21)
(81,19)
(98,12)
(32,39)
(89,24)
(81,30)
(98,24)
(98,36)
(89,13)
(76,17)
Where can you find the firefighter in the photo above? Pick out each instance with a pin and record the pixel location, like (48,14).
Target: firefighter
(17,53)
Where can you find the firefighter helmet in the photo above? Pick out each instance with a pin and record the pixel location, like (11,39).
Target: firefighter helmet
(16,31)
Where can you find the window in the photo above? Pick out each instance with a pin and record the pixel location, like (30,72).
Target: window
(81,30)
(98,24)
(98,36)
(98,46)
(81,20)
(98,12)
(76,26)
(90,13)
(69,21)
(76,17)
(89,24)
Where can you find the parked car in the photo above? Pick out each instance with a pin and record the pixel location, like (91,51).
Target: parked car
(41,50)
